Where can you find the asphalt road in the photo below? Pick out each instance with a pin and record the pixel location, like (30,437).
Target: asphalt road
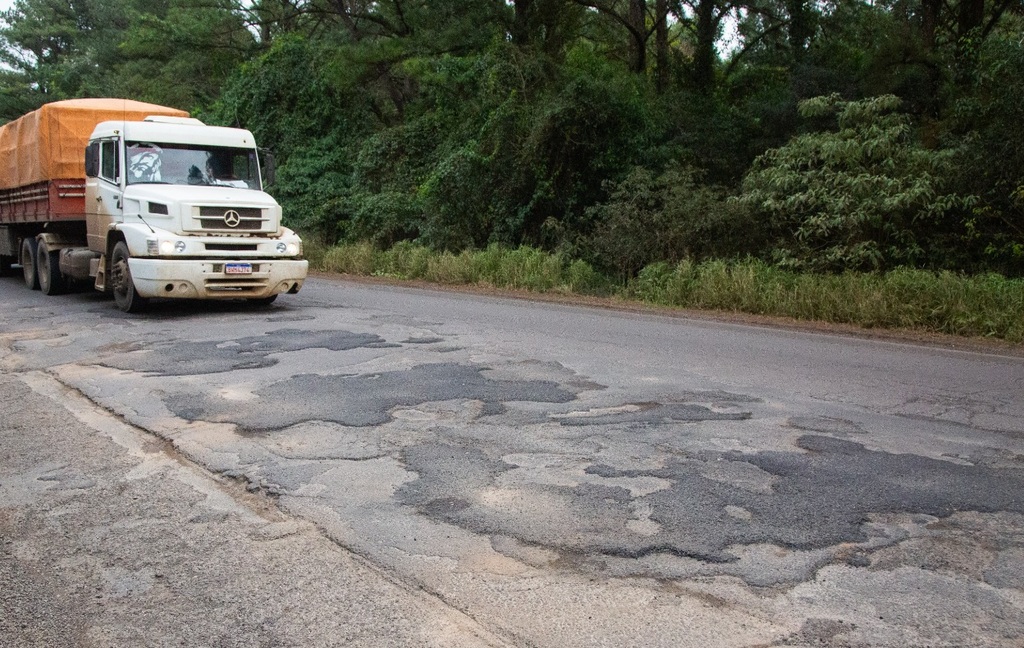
(566,476)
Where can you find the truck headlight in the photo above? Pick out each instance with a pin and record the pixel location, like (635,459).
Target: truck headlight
(281,247)
(294,249)
(164,248)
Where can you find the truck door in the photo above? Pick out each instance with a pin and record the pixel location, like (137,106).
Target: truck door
(103,192)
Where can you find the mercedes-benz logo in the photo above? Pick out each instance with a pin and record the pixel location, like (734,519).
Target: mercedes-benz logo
(232,218)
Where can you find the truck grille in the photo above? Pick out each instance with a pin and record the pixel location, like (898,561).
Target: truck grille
(231,247)
(231,219)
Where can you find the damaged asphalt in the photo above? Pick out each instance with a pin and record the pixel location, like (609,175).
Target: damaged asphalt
(594,487)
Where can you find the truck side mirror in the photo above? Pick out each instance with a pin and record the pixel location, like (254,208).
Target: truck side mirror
(269,167)
(92,159)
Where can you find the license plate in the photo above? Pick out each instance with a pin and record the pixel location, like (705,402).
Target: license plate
(237,268)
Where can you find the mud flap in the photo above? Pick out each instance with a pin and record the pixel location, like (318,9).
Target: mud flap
(101,274)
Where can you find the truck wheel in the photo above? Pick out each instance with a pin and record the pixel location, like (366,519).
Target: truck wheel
(28,263)
(125,295)
(51,281)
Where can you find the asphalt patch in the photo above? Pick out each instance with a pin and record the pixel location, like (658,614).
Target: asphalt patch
(365,399)
(195,358)
(820,498)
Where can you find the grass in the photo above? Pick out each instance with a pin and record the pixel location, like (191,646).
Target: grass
(945,302)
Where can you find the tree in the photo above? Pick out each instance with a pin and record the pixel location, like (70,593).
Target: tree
(47,46)
(988,128)
(176,52)
(634,17)
(179,54)
(545,25)
(862,195)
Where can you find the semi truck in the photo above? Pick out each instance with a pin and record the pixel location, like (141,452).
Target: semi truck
(141,201)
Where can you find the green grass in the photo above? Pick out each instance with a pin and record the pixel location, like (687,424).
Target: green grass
(945,302)
(518,269)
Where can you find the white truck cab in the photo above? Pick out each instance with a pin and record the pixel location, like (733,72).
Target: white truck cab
(175,209)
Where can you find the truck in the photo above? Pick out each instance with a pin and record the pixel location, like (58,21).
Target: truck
(143,202)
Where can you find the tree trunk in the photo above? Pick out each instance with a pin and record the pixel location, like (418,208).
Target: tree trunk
(929,23)
(970,20)
(970,17)
(801,28)
(703,72)
(638,35)
(661,45)
(521,22)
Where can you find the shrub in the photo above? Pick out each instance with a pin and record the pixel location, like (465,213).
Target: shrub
(667,217)
(989,121)
(861,196)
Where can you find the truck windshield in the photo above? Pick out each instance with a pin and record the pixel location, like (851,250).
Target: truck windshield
(186,164)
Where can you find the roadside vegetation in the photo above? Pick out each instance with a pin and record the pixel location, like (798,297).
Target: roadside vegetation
(844,160)
(904,298)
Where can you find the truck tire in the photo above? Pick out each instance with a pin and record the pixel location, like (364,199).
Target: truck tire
(28,263)
(125,295)
(51,281)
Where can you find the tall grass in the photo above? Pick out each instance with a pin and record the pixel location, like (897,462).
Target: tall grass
(945,302)
(519,269)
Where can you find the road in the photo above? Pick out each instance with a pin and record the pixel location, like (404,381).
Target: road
(555,475)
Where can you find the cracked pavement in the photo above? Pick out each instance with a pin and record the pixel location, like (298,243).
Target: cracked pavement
(572,477)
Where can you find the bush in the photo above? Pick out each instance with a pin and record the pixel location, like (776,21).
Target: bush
(989,121)
(861,196)
(386,218)
(667,217)
(497,143)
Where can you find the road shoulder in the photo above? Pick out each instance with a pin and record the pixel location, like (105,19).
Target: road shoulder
(107,537)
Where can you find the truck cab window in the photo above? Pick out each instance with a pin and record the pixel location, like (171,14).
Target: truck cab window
(92,160)
(144,163)
(190,164)
(109,167)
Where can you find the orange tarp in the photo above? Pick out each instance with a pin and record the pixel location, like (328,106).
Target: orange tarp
(49,143)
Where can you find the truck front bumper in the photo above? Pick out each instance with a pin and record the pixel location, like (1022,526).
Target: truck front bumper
(207,279)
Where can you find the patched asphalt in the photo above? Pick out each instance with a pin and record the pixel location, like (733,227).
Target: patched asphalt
(579,479)
(819,498)
(818,495)
(186,358)
(364,400)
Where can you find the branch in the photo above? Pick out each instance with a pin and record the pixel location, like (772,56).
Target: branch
(608,11)
(748,46)
(350,19)
(997,13)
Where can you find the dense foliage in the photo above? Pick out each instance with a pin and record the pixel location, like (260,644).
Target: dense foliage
(863,196)
(828,136)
